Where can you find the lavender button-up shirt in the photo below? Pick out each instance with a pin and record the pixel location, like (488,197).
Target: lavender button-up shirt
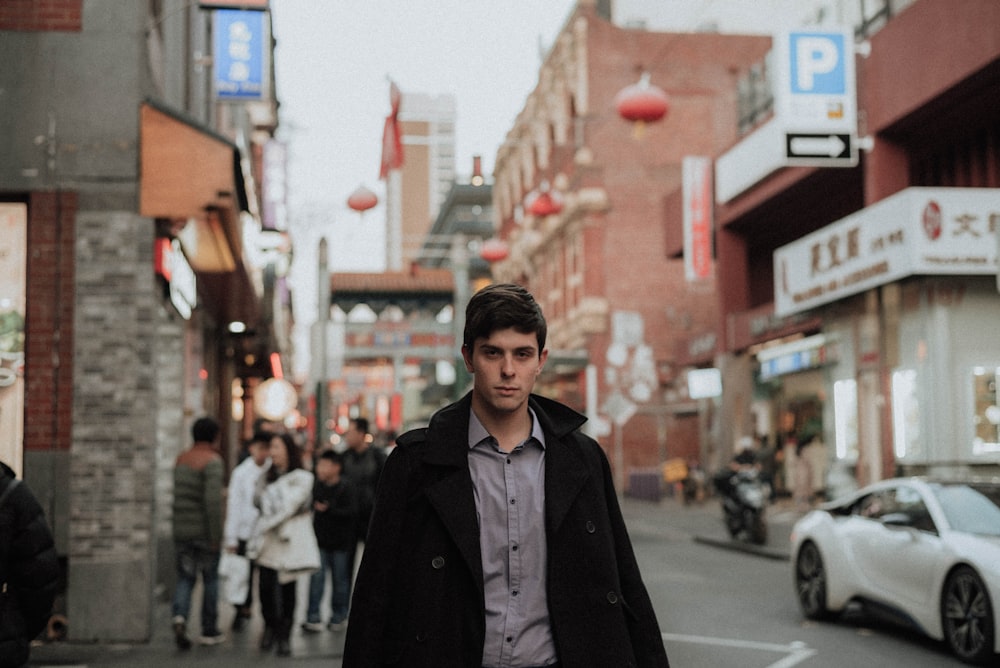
(510,504)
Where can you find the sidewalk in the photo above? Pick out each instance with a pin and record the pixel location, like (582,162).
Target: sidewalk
(239,649)
(667,518)
(702,522)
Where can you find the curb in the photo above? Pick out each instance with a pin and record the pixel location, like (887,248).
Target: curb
(738,546)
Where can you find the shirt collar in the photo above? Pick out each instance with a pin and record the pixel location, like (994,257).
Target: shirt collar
(477,432)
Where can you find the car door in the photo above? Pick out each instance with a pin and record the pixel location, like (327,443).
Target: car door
(898,562)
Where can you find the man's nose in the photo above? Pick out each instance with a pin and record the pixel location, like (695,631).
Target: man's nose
(507,368)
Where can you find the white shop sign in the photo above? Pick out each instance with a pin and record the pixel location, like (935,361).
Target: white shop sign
(941,231)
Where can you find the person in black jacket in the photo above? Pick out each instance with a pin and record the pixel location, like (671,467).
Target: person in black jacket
(29,569)
(335,511)
(497,538)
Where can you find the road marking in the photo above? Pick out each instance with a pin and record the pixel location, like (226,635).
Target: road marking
(797,651)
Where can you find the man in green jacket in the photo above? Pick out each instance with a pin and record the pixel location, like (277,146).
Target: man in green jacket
(197,525)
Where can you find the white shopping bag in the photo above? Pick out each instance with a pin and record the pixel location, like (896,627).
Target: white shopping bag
(234,576)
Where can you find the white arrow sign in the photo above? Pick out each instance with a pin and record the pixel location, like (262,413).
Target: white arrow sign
(820,149)
(831,146)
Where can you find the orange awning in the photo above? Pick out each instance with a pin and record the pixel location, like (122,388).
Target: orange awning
(185,167)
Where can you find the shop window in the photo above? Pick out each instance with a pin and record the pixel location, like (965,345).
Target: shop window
(906,414)
(845,415)
(986,417)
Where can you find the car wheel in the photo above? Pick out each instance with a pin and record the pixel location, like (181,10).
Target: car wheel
(967,616)
(810,582)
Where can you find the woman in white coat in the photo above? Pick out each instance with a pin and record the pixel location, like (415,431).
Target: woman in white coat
(284,542)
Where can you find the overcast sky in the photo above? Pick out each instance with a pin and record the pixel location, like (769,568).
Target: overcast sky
(333,61)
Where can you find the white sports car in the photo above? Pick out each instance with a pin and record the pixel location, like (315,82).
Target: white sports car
(929,552)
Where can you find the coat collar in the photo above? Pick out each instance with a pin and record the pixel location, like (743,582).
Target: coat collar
(565,470)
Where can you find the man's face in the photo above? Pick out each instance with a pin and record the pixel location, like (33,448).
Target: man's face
(503,367)
(355,437)
(258,452)
(327,470)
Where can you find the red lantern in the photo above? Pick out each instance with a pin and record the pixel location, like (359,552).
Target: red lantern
(642,103)
(362,199)
(493,250)
(544,203)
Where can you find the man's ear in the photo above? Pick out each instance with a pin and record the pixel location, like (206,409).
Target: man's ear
(467,356)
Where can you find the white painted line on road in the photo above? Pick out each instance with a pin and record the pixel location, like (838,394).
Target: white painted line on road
(797,651)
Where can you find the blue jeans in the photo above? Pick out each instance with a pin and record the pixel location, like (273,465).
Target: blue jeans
(194,557)
(338,562)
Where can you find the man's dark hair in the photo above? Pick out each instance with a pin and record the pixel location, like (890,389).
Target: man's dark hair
(333,456)
(261,436)
(205,430)
(361,424)
(503,306)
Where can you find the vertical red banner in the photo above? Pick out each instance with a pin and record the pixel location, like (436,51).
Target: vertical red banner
(698,219)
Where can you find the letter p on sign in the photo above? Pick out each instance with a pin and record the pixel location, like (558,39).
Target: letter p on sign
(818,64)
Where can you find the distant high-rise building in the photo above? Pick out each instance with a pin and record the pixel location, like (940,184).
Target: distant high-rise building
(415,192)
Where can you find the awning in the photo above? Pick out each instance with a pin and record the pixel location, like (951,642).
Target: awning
(185,167)
(191,174)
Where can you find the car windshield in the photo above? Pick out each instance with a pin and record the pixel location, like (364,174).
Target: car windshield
(973,510)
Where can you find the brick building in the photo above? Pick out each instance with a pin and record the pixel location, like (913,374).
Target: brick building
(865,296)
(605,268)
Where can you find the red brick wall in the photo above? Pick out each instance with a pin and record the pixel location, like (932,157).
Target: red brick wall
(48,374)
(41,15)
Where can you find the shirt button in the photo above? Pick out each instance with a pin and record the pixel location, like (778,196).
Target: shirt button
(514,548)
(590,527)
(437,562)
(514,593)
(612,597)
(510,638)
(512,502)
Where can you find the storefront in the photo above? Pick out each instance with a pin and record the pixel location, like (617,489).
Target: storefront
(906,289)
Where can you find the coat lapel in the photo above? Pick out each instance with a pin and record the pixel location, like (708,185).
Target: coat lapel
(451,493)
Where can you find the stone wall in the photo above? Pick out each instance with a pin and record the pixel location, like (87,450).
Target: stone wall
(115,417)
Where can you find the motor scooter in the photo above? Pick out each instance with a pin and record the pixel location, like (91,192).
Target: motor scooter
(744,502)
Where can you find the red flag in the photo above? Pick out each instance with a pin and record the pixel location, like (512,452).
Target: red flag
(392,143)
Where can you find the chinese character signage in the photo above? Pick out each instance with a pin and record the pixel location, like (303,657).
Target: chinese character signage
(940,231)
(239,49)
(697,188)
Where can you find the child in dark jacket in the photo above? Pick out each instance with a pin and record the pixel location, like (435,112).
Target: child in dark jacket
(335,509)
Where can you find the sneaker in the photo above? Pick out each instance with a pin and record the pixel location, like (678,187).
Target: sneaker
(180,633)
(209,639)
(312,627)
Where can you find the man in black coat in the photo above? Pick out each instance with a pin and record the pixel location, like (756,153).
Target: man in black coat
(497,539)
(29,569)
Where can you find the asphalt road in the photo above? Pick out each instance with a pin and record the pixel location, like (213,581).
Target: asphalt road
(719,605)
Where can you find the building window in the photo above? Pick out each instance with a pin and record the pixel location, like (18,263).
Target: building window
(986,412)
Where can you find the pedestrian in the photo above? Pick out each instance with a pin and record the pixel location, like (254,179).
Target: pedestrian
(197,528)
(29,569)
(241,513)
(335,510)
(497,538)
(284,543)
(363,463)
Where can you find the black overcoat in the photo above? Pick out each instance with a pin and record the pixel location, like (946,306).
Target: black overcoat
(418,599)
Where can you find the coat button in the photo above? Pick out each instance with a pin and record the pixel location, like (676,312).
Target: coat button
(590,527)
(437,562)
(612,597)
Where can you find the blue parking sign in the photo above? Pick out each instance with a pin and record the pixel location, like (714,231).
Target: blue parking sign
(817,63)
